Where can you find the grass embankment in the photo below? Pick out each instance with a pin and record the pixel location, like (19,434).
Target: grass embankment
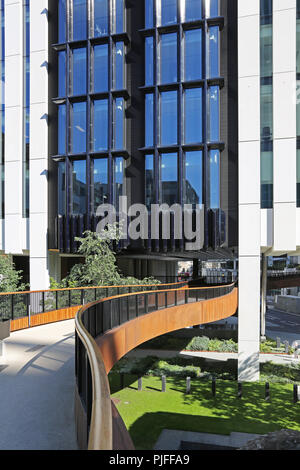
(146,413)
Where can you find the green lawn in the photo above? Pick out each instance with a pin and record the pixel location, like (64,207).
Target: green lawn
(148,412)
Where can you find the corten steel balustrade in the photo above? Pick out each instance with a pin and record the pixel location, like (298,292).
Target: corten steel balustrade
(32,308)
(106,330)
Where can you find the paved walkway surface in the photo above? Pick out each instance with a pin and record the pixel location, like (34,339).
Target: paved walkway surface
(37,380)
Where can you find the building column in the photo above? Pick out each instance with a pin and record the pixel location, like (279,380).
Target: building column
(249,190)
(13,127)
(39,269)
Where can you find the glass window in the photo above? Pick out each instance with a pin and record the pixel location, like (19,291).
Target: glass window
(119,16)
(266,50)
(79,19)
(61,188)
(193,177)
(266,109)
(266,163)
(193,115)
(119,68)
(149,181)
(149,119)
(62,20)
(168,58)
(119,122)
(214,114)
(101,68)
(79,127)
(167,12)
(214,171)
(100,17)
(118,180)
(79,187)
(214,51)
(62,73)
(62,129)
(193,10)
(298,178)
(149,12)
(193,54)
(79,71)
(100,182)
(168,178)
(100,127)
(168,118)
(213,8)
(149,61)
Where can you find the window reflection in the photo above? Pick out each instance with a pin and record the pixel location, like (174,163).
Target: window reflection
(79,127)
(119,122)
(149,119)
(119,66)
(149,11)
(298,178)
(214,51)
(214,112)
(193,54)
(149,181)
(266,163)
(212,8)
(100,182)
(101,68)
(62,20)
(61,188)
(193,177)
(168,178)
(168,58)
(79,187)
(118,180)
(62,129)
(100,125)
(79,19)
(62,73)
(168,118)
(100,17)
(214,173)
(149,61)
(79,71)
(193,10)
(119,16)
(167,12)
(193,115)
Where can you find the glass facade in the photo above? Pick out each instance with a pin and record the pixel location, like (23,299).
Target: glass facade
(266,102)
(182,100)
(91,103)
(181,143)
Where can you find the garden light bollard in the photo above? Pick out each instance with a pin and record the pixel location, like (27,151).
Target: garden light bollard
(240,390)
(188,385)
(267,391)
(213,387)
(122,380)
(287,347)
(278,342)
(140,384)
(163,383)
(296,393)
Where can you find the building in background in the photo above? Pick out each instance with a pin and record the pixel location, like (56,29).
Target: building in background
(162,101)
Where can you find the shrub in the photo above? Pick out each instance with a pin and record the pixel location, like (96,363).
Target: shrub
(164,368)
(198,343)
(202,343)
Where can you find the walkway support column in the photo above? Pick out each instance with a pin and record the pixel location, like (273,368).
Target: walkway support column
(249,190)
(263,307)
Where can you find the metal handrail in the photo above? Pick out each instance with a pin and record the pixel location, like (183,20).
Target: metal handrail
(95,319)
(15,305)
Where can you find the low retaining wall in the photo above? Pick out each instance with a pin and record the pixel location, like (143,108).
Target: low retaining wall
(288,303)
